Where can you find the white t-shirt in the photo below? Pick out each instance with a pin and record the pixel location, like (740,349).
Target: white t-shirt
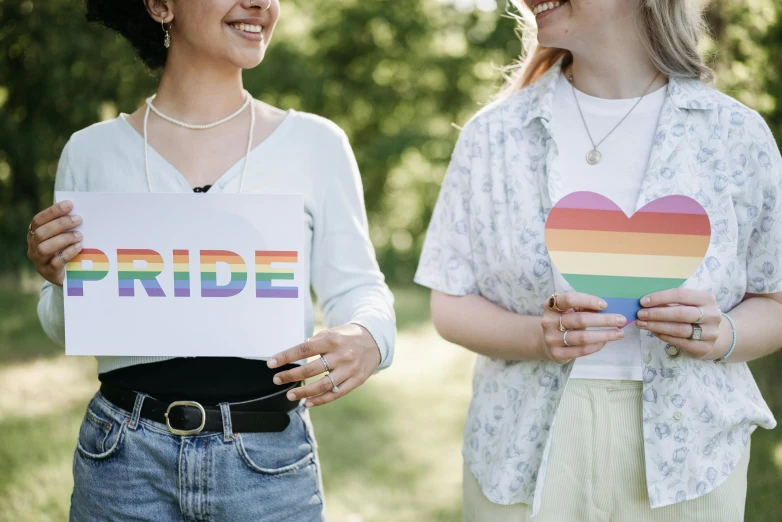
(618,176)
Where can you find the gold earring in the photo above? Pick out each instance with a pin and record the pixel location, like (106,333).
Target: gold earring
(167,38)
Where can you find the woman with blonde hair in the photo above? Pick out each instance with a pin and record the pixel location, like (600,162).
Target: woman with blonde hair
(574,415)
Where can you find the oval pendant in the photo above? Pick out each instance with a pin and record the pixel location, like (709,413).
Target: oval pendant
(593,157)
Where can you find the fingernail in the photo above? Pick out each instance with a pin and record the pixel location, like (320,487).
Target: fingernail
(76,220)
(77,235)
(640,324)
(603,304)
(645,300)
(277,380)
(621,320)
(78,246)
(619,334)
(65,205)
(271,363)
(291,396)
(309,404)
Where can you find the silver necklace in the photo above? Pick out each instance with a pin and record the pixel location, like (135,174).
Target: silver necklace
(593,157)
(247,99)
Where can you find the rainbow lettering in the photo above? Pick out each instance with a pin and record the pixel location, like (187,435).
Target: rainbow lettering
(127,272)
(181,273)
(209,260)
(77,274)
(265,274)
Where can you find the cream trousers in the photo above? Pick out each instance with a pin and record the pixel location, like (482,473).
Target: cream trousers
(596,468)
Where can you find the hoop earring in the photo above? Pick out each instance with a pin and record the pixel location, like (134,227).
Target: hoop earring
(167,38)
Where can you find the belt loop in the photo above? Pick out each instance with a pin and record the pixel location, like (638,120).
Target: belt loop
(133,424)
(228,432)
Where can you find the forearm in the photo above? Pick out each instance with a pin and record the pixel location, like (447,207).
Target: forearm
(758,321)
(481,326)
(51,312)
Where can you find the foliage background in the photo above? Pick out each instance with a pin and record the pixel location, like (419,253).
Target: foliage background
(399,77)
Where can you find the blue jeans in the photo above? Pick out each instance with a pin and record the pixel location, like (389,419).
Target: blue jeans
(130,469)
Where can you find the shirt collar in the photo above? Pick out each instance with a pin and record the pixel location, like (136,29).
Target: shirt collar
(684,93)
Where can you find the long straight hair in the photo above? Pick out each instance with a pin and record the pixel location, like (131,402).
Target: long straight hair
(670,31)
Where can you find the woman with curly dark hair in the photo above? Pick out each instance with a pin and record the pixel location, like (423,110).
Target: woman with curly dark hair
(248,452)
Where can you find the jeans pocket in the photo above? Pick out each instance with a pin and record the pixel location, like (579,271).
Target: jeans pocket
(278,453)
(99,437)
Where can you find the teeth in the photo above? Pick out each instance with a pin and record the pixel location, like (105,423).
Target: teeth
(248,28)
(545,6)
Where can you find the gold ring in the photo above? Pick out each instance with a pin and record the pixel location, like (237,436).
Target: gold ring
(561,326)
(552,303)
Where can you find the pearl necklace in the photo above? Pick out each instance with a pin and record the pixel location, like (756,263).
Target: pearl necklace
(247,99)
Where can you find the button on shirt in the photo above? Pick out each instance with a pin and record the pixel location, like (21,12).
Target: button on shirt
(486,237)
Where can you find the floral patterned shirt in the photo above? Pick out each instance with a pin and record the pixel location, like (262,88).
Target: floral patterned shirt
(486,237)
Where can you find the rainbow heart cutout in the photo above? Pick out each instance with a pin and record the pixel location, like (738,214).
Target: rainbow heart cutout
(601,251)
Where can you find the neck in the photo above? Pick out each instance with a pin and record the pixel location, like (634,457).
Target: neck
(199,93)
(606,70)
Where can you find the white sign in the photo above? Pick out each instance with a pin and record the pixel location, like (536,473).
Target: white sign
(186,275)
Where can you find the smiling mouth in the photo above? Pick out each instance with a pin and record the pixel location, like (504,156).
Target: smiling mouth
(547,6)
(247,28)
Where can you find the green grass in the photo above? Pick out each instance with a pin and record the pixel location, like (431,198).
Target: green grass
(390,451)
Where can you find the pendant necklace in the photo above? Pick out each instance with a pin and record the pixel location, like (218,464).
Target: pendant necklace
(594,156)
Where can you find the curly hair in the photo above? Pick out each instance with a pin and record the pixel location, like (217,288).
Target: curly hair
(131,19)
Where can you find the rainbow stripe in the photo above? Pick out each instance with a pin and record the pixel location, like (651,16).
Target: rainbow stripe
(128,273)
(76,274)
(181,273)
(265,274)
(209,260)
(602,252)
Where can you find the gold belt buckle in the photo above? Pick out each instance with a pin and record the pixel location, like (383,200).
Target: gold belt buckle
(186,432)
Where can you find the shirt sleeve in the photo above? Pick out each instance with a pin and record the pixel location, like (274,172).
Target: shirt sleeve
(51,302)
(764,250)
(348,284)
(446,262)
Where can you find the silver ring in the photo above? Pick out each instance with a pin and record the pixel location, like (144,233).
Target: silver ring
(334,386)
(325,363)
(698,320)
(30,228)
(697,331)
(564,337)
(59,254)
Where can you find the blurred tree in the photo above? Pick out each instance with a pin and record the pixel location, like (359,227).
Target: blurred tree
(396,76)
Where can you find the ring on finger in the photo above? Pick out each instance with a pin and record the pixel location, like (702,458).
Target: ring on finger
(698,320)
(334,386)
(552,303)
(561,326)
(325,363)
(30,228)
(59,254)
(564,338)
(697,331)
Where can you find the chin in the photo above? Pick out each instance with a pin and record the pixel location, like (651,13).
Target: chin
(249,61)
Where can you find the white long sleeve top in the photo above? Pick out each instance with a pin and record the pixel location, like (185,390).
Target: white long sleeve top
(306,154)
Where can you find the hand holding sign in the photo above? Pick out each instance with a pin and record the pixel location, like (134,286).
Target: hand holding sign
(51,243)
(352,357)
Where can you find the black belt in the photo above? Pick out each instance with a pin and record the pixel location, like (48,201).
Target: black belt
(265,414)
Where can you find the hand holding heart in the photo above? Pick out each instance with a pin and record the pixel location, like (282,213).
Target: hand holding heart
(671,314)
(570,325)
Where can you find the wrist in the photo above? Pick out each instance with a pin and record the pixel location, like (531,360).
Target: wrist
(725,343)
